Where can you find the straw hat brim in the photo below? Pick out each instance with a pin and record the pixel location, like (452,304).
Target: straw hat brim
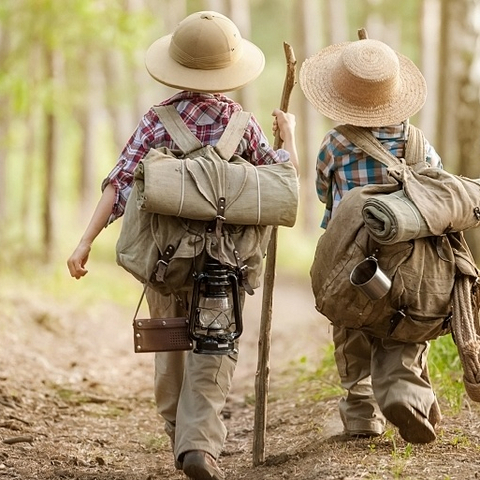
(316,82)
(164,69)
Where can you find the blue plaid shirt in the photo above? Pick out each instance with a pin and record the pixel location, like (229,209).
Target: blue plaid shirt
(347,166)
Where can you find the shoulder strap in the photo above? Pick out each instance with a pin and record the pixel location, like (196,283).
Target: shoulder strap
(415,151)
(364,139)
(175,126)
(233,134)
(188,142)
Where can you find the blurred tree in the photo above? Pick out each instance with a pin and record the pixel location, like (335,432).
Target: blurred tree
(311,22)
(73,86)
(4,120)
(50,69)
(429,64)
(462,63)
(239,12)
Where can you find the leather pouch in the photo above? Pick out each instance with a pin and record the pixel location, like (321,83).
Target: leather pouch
(161,334)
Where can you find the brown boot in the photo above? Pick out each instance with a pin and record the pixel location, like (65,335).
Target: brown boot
(435,414)
(412,425)
(199,465)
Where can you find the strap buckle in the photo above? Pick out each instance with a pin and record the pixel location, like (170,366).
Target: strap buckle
(162,264)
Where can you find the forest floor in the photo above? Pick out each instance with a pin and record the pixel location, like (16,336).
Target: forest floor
(76,403)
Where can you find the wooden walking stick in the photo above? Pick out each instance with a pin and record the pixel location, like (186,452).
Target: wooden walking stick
(263,364)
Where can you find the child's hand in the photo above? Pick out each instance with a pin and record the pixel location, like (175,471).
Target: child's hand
(284,123)
(78,259)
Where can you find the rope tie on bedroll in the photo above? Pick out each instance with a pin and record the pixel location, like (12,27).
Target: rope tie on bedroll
(465,327)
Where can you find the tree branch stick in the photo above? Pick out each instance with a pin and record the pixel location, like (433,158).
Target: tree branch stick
(262,375)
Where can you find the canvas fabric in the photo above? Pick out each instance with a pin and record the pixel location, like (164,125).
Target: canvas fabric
(193,183)
(145,238)
(393,217)
(423,271)
(166,250)
(376,373)
(190,389)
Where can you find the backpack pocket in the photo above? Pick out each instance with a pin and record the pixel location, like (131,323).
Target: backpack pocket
(421,290)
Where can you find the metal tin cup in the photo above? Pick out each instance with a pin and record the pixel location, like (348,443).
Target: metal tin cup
(368,276)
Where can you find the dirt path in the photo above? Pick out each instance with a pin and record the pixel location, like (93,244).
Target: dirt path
(298,330)
(76,403)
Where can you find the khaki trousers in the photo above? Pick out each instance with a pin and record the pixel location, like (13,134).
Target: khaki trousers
(376,373)
(190,389)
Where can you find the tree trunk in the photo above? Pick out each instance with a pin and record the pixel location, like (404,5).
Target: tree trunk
(430,35)
(88,118)
(4,122)
(467,108)
(309,133)
(49,163)
(239,13)
(446,139)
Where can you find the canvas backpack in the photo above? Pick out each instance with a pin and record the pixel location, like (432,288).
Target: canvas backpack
(164,251)
(205,183)
(423,271)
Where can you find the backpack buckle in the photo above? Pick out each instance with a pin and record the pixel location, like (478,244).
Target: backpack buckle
(162,264)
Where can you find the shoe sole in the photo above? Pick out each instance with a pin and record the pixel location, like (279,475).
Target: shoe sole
(194,472)
(199,471)
(412,426)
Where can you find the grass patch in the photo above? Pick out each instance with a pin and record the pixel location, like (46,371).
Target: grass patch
(155,444)
(446,372)
(324,376)
(444,364)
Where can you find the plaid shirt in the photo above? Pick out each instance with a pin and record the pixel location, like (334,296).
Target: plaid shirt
(207,116)
(347,166)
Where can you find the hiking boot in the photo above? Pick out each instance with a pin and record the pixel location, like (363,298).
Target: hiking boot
(435,414)
(412,425)
(199,465)
(364,428)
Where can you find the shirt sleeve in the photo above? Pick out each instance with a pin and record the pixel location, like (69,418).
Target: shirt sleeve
(433,158)
(121,176)
(325,167)
(256,148)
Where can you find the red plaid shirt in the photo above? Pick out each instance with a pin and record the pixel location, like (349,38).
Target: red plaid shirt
(207,116)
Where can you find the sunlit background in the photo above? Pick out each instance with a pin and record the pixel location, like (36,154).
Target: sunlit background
(73,87)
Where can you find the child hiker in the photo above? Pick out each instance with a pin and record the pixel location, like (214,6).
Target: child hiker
(204,57)
(367,84)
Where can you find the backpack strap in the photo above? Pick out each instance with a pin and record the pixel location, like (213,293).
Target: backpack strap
(188,142)
(175,126)
(364,139)
(415,151)
(233,134)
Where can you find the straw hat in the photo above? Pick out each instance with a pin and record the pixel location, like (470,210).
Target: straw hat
(205,53)
(363,83)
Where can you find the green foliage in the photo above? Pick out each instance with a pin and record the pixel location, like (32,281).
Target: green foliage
(324,376)
(295,251)
(70,29)
(444,365)
(446,372)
